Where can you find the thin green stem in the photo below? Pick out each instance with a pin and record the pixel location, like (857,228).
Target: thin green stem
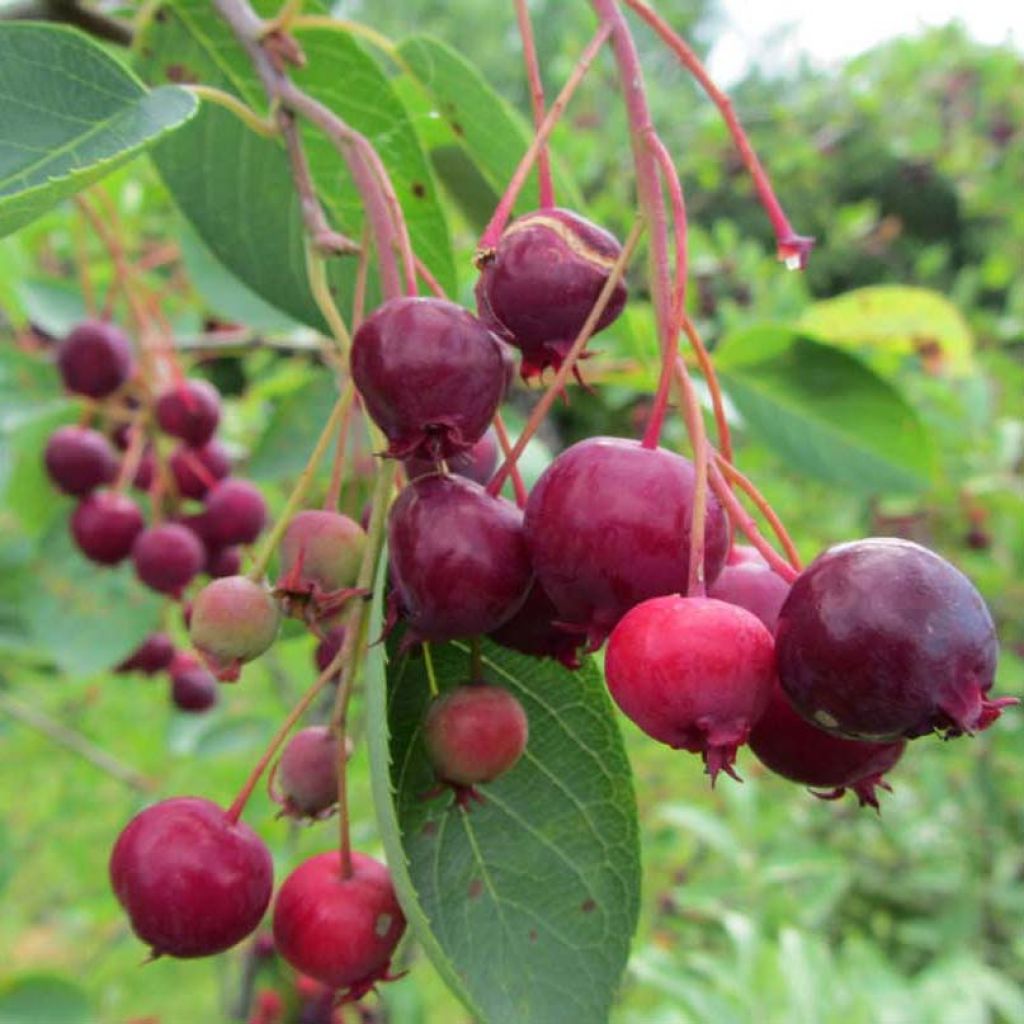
(428,662)
(476,660)
(316,269)
(260,125)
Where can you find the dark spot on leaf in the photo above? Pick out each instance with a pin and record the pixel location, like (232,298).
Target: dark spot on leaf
(533,935)
(588,906)
(146,51)
(419,190)
(457,128)
(180,73)
(161,15)
(476,888)
(430,828)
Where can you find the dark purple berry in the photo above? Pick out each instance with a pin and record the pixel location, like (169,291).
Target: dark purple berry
(222,562)
(235,513)
(189,410)
(192,881)
(533,630)
(168,557)
(196,470)
(153,655)
(608,526)
(95,359)
(542,281)
(105,526)
(881,639)
(477,464)
(430,374)
(79,460)
(193,687)
(458,558)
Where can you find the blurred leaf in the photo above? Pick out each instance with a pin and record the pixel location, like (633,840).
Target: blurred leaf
(28,384)
(527,903)
(72,114)
(895,321)
(826,413)
(52,304)
(43,999)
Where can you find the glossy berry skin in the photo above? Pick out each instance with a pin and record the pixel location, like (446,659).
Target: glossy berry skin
(153,655)
(307,773)
(189,410)
(475,733)
(458,558)
(105,526)
(340,931)
(79,460)
(796,750)
(544,277)
(193,687)
(235,513)
(95,359)
(196,470)
(608,526)
(752,585)
(234,620)
(192,882)
(881,639)
(168,557)
(693,673)
(430,374)
(477,464)
(533,630)
(320,552)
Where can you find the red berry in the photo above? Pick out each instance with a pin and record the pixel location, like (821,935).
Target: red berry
(235,513)
(192,881)
(153,655)
(475,733)
(193,688)
(541,283)
(608,526)
(168,557)
(189,410)
(692,672)
(477,464)
(145,472)
(307,773)
(340,931)
(752,585)
(79,460)
(881,639)
(234,620)
(95,359)
(222,562)
(740,554)
(320,553)
(458,558)
(196,470)
(533,630)
(798,751)
(105,526)
(430,374)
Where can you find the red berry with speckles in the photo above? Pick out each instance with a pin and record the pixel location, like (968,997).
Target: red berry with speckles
(539,286)
(692,672)
(196,470)
(95,359)
(234,620)
(105,526)
(475,733)
(189,410)
(881,639)
(79,460)
(235,514)
(153,655)
(168,557)
(192,881)
(340,931)
(430,374)
(608,526)
(193,687)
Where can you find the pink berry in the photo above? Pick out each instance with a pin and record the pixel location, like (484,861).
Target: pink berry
(154,654)
(222,562)
(321,553)
(753,586)
(307,774)
(235,513)
(168,557)
(105,526)
(79,460)
(95,359)
(189,410)
(193,687)
(196,470)
(234,620)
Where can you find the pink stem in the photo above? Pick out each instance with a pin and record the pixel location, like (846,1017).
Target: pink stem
(695,428)
(546,185)
(506,450)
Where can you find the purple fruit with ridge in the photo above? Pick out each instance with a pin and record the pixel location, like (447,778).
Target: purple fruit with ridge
(430,375)
(196,470)
(153,655)
(95,359)
(753,586)
(168,557)
(458,558)
(192,881)
(881,639)
(533,630)
(608,526)
(477,464)
(105,526)
(193,687)
(79,460)
(543,279)
(189,410)
(234,620)
(235,513)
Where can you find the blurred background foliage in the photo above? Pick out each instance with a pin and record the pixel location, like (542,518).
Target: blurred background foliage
(904,415)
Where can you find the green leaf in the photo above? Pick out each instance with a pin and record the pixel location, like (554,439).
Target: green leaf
(35,998)
(235,186)
(72,114)
(893,322)
(825,412)
(527,903)
(488,137)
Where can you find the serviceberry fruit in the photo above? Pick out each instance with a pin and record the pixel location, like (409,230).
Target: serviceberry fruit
(458,558)
(153,655)
(189,410)
(168,557)
(881,639)
(430,374)
(79,460)
(235,513)
(305,779)
(192,881)
(534,630)
(340,931)
(234,620)
(541,282)
(692,672)
(608,526)
(95,359)
(196,470)
(752,585)
(193,687)
(328,647)
(105,526)
(222,562)
(477,464)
